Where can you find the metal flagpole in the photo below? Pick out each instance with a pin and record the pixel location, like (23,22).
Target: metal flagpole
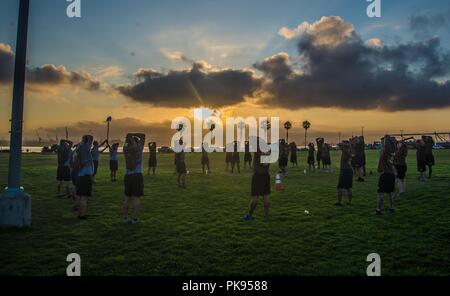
(15,205)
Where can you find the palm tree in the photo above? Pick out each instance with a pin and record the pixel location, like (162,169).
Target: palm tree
(287,126)
(306,125)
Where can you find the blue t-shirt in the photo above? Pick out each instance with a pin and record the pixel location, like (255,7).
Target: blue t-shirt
(138,169)
(95,153)
(86,158)
(113,154)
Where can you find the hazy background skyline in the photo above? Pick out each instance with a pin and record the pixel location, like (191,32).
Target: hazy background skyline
(147,62)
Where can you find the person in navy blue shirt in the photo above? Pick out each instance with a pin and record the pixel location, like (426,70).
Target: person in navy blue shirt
(113,161)
(96,156)
(63,172)
(85,172)
(134,181)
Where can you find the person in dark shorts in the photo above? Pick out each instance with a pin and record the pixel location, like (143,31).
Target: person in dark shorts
(358,158)
(205,159)
(152,162)
(429,157)
(400,166)
(133,181)
(421,159)
(96,156)
(260,186)
(320,142)
(326,157)
(363,145)
(236,159)
(283,157)
(293,153)
(63,176)
(113,161)
(386,181)
(86,169)
(74,170)
(247,155)
(310,159)
(345,175)
(229,155)
(181,165)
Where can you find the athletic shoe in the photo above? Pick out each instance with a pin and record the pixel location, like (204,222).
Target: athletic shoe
(266,218)
(126,220)
(136,221)
(392,210)
(378,213)
(338,204)
(82,217)
(247,217)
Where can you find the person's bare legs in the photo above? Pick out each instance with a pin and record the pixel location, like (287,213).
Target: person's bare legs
(136,205)
(350,196)
(238,167)
(253,205)
(125,207)
(82,206)
(208,169)
(340,192)
(392,201)
(266,207)
(380,200)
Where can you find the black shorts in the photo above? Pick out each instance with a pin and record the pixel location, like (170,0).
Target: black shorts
(260,184)
(386,183)
(429,159)
(248,157)
(95,167)
(84,186)
(283,162)
(134,185)
(421,166)
(63,174)
(181,168)
(311,160)
(74,175)
(401,171)
(357,161)
(152,162)
(345,179)
(114,165)
(326,161)
(205,161)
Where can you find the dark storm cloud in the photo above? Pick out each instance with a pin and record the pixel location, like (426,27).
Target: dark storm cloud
(338,69)
(46,74)
(199,86)
(6,63)
(427,23)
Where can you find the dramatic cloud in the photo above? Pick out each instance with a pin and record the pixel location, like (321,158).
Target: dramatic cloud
(202,85)
(428,23)
(46,74)
(6,63)
(338,69)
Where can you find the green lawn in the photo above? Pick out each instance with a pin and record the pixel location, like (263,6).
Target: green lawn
(199,230)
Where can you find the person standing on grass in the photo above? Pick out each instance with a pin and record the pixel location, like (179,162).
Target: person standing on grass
(86,169)
(293,147)
(358,158)
(421,159)
(96,156)
(310,159)
(283,157)
(345,175)
(326,157)
(114,161)
(429,157)
(63,172)
(260,185)
(363,148)
(236,159)
(74,170)
(205,159)
(134,181)
(386,182)
(152,158)
(229,156)
(247,155)
(181,165)
(400,166)
(320,142)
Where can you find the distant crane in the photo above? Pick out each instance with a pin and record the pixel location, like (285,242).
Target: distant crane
(39,137)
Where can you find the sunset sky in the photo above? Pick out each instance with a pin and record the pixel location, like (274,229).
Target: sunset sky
(146,62)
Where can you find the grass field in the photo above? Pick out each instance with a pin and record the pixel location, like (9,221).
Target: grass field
(200,231)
